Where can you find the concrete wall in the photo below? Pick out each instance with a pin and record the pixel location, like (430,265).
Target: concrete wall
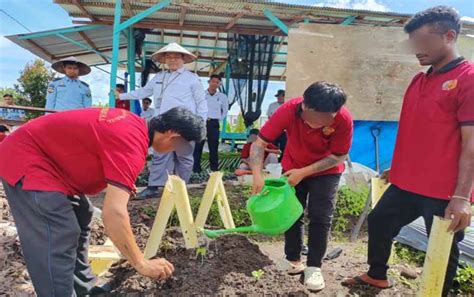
(370,63)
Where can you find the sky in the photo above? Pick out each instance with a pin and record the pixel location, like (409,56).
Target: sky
(39,15)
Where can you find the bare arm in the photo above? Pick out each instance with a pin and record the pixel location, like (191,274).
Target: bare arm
(466,163)
(325,164)
(255,161)
(117,225)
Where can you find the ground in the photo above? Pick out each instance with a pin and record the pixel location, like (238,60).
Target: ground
(227,266)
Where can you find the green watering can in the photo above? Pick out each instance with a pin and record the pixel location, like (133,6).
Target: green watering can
(272,212)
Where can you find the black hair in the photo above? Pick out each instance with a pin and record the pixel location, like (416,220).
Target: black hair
(180,120)
(7,95)
(324,97)
(215,76)
(3,129)
(146,99)
(443,17)
(121,86)
(254,131)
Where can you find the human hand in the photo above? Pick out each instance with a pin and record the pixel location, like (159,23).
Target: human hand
(459,211)
(295,176)
(157,268)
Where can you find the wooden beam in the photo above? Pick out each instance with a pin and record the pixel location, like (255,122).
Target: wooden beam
(294,21)
(84,10)
(182,15)
(251,30)
(215,45)
(91,44)
(234,20)
(45,52)
(127,8)
(77,54)
(197,51)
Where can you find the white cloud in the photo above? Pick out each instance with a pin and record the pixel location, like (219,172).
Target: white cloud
(354,4)
(467,19)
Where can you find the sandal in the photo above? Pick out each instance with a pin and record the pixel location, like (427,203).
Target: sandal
(365,280)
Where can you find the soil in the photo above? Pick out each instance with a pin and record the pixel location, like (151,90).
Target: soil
(226,268)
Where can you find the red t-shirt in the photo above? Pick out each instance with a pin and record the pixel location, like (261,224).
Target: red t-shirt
(435,106)
(245,153)
(2,136)
(306,145)
(76,152)
(123,104)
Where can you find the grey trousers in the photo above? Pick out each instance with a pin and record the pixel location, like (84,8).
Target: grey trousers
(54,234)
(170,163)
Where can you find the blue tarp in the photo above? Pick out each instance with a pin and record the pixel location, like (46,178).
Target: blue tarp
(363,146)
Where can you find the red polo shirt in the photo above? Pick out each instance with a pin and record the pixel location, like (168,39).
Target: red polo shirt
(435,106)
(246,150)
(306,145)
(123,104)
(76,152)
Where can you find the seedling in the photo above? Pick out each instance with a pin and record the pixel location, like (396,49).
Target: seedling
(202,251)
(258,274)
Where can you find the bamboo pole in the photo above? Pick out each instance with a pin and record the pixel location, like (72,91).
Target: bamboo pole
(437,257)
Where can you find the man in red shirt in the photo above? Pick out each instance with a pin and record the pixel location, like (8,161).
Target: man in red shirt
(123,104)
(433,164)
(319,130)
(271,153)
(52,159)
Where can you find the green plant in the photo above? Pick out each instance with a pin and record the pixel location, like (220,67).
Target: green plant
(349,206)
(465,279)
(407,254)
(257,274)
(149,211)
(201,252)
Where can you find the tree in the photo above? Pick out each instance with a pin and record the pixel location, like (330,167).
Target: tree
(33,84)
(240,126)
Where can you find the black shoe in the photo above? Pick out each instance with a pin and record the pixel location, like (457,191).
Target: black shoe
(304,250)
(100,290)
(148,192)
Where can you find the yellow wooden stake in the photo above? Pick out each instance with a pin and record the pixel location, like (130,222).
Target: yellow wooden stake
(437,257)
(379,186)
(215,191)
(102,257)
(174,194)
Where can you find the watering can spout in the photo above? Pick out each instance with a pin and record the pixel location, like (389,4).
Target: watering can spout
(217,233)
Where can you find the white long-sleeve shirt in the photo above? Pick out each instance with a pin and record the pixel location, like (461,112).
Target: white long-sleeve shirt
(217,105)
(172,89)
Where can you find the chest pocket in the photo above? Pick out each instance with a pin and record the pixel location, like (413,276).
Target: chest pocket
(442,107)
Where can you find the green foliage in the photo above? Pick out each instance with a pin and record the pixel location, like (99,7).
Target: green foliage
(33,84)
(465,279)
(257,274)
(202,251)
(149,211)
(407,254)
(10,91)
(349,206)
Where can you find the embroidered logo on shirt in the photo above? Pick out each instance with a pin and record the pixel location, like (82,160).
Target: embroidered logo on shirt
(450,85)
(328,130)
(104,112)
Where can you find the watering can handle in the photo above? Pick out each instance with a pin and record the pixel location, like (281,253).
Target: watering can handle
(284,178)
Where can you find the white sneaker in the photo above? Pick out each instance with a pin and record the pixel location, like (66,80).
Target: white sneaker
(313,279)
(293,269)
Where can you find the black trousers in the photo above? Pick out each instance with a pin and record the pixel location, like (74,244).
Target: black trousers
(396,209)
(280,142)
(318,196)
(212,127)
(54,233)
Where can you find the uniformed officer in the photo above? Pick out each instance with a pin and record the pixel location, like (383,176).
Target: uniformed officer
(174,87)
(218,106)
(69,92)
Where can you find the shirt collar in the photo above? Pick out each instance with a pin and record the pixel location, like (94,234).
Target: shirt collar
(207,91)
(180,70)
(68,79)
(448,67)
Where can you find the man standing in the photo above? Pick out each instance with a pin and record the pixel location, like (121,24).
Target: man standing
(147,112)
(69,92)
(218,106)
(174,87)
(74,153)
(281,140)
(319,130)
(433,164)
(9,113)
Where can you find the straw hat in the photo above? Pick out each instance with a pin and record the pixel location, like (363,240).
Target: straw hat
(83,67)
(159,56)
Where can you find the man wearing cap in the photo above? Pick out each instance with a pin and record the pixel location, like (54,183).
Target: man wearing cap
(218,106)
(280,141)
(60,158)
(173,87)
(69,92)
